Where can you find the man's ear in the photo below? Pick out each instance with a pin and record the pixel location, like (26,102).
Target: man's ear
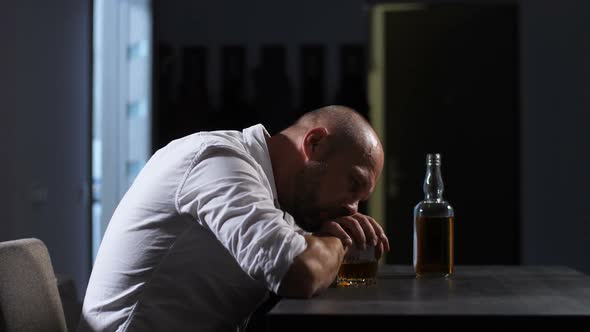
(314,143)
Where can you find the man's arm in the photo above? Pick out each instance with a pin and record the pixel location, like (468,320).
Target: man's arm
(315,268)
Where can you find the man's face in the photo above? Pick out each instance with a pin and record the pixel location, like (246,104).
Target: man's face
(332,188)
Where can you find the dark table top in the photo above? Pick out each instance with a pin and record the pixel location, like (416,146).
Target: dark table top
(474,293)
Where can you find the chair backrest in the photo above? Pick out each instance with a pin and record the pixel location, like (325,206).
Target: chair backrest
(29,298)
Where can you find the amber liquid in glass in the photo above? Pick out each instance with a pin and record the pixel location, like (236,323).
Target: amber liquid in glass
(434,245)
(356,274)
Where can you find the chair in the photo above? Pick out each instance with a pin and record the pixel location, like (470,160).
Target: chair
(29,298)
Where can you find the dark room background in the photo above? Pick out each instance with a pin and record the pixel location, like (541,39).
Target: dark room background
(230,64)
(239,62)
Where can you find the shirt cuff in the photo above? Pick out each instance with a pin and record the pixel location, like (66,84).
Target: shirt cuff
(292,245)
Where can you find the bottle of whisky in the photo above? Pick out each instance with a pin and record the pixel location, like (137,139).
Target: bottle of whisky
(433,226)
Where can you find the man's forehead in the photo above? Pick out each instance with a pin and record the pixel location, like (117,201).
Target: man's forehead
(367,160)
(367,167)
(363,170)
(368,180)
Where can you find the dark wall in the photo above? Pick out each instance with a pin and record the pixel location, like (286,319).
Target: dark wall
(214,24)
(45,77)
(452,87)
(556,133)
(230,64)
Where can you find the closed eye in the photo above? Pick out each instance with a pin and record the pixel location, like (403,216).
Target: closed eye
(355,185)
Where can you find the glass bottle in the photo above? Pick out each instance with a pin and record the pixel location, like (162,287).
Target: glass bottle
(433,226)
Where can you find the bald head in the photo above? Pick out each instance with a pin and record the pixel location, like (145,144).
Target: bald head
(325,164)
(340,120)
(347,128)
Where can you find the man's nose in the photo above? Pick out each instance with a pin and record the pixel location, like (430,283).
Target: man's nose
(351,208)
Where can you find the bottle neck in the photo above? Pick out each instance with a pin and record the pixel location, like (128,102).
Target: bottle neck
(433,183)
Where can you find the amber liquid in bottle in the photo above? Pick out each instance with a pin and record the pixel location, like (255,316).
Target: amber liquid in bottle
(434,246)
(433,226)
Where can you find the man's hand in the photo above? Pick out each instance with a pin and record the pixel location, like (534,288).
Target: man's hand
(359,229)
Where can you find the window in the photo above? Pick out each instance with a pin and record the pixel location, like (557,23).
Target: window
(121,104)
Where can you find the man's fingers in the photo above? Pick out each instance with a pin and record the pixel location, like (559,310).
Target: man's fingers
(368,228)
(379,250)
(354,229)
(386,243)
(360,229)
(334,229)
(380,234)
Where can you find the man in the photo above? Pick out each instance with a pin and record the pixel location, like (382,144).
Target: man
(215,220)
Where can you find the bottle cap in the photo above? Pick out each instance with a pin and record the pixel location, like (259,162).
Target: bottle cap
(433,159)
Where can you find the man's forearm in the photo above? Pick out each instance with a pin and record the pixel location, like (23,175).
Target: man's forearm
(315,268)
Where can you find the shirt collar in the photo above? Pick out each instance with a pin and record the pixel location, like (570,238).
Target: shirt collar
(255,138)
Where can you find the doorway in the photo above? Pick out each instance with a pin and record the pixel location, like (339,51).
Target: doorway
(445,79)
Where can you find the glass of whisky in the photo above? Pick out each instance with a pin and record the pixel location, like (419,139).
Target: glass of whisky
(358,269)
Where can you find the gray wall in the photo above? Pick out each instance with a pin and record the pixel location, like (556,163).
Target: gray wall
(556,133)
(44,125)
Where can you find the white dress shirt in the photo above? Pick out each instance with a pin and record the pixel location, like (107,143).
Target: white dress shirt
(197,241)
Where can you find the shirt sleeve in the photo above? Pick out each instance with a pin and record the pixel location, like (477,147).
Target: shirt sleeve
(224,191)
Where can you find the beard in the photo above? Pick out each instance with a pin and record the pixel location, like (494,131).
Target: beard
(307,213)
